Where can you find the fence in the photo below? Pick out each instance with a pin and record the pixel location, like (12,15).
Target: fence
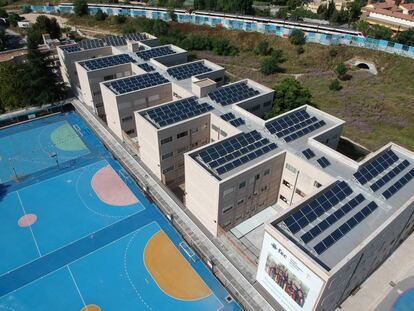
(246,25)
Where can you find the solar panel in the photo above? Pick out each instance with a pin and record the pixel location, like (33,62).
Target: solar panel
(188,70)
(323,162)
(375,167)
(135,83)
(70,48)
(136,36)
(237,122)
(104,62)
(228,116)
(308,153)
(146,67)
(233,93)
(390,175)
(155,52)
(235,151)
(231,118)
(333,218)
(114,40)
(91,44)
(294,125)
(176,111)
(318,206)
(345,228)
(398,185)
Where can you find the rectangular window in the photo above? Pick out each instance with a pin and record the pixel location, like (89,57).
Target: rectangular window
(168,169)
(291,168)
(126,119)
(257,177)
(266,172)
(301,193)
(269,103)
(110,77)
(227,209)
(287,184)
(242,185)
(153,98)
(167,155)
(240,201)
(182,134)
(284,199)
(227,191)
(215,128)
(194,130)
(166,140)
(223,133)
(255,108)
(130,131)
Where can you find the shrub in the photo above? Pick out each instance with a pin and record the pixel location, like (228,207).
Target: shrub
(80,7)
(100,16)
(341,71)
(300,50)
(222,46)
(262,48)
(297,37)
(118,19)
(271,64)
(333,52)
(3,13)
(335,85)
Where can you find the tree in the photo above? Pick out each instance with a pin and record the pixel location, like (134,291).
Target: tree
(13,19)
(297,37)
(405,37)
(2,39)
(222,46)
(262,48)
(100,16)
(48,25)
(171,14)
(3,13)
(335,85)
(289,94)
(118,19)
(11,86)
(271,64)
(80,7)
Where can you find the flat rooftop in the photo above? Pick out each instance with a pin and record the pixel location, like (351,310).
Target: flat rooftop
(155,52)
(176,111)
(136,83)
(188,70)
(233,93)
(106,62)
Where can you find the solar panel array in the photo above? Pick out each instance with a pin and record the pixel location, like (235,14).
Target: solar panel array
(114,40)
(70,48)
(345,228)
(188,70)
(333,218)
(316,207)
(294,125)
(323,162)
(136,36)
(155,52)
(398,185)
(91,44)
(232,94)
(235,151)
(109,61)
(376,167)
(390,175)
(146,67)
(308,153)
(135,83)
(231,118)
(177,111)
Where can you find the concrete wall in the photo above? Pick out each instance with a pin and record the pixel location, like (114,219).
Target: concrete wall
(127,104)
(299,180)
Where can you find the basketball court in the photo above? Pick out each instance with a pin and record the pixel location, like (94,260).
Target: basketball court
(76,233)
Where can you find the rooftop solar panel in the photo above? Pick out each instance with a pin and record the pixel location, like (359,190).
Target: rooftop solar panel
(294,125)
(318,206)
(308,153)
(398,185)
(146,67)
(188,70)
(375,167)
(155,52)
(323,162)
(235,151)
(135,83)
(70,48)
(114,40)
(135,36)
(104,62)
(345,228)
(228,116)
(231,118)
(237,122)
(390,175)
(176,111)
(91,44)
(234,93)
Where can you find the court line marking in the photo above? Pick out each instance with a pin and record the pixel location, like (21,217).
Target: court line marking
(77,259)
(30,227)
(76,285)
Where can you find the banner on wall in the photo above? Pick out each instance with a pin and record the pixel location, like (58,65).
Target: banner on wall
(287,279)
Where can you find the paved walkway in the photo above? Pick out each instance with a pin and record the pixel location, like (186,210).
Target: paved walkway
(234,281)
